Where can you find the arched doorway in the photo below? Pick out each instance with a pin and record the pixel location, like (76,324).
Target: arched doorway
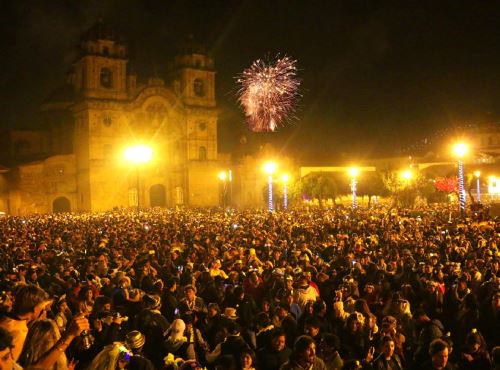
(61,204)
(157,196)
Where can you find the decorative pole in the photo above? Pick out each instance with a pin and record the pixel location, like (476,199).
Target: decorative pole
(354,172)
(270,168)
(284,178)
(478,186)
(460,150)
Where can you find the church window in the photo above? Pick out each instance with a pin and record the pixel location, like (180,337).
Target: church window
(202,126)
(107,120)
(179,195)
(105,50)
(202,153)
(199,87)
(106,78)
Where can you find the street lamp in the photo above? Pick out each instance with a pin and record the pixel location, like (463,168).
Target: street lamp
(223,176)
(407,175)
(478,185)
(460,150)
(270,168)
(285,179)
(354,172)
(138,154)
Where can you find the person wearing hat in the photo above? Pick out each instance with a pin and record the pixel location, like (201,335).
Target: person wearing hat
(230,314)
(135,341)
(176,342)
(153,324)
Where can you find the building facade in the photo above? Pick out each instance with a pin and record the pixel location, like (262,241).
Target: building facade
(88,123)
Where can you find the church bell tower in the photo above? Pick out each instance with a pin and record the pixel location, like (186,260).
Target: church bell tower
(101,69)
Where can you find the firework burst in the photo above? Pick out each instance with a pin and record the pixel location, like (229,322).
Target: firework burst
(268,93)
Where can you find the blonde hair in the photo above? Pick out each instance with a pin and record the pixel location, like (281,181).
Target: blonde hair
(107,358)
(42,336)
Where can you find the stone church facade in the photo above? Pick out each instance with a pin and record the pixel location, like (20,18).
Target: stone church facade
(102,110)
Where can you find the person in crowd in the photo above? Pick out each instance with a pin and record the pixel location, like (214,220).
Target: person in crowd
(135,341)
(474,355)
(387,359)
(495,356)
(31,303)
(354,272)
(439,352)
(247,360)
(275,353)
(304,356)
(428,330)
(6,359)
(153,325)
(176,342)
(191,304)
(42,336)
(233,345)
(112,357)
(328,351)
(62,313)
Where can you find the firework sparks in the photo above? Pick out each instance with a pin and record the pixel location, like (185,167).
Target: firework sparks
(268,93)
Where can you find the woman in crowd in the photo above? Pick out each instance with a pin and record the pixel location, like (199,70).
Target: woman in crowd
(42,336)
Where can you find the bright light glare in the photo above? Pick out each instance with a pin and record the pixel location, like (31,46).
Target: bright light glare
(493,185)
(460,149)
(139,154)
(285,177)
(222,175)
(477,173)
(353,172)
(406,174)
(270,168)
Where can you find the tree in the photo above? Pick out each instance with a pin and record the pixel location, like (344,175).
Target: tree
(320,186)
(404,191)
(371,184)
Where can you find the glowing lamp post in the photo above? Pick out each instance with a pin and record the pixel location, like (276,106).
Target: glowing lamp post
(407,176)
(138,154)
(223,177)
(478,185)
(460,151)
(285,179)
(354,172)
(270,168)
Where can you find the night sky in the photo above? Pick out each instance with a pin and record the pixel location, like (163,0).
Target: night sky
(376,75)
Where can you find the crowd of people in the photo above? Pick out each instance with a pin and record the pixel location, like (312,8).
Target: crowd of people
(230,290)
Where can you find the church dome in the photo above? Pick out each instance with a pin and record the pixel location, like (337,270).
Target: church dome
(99,31)
(190,46)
